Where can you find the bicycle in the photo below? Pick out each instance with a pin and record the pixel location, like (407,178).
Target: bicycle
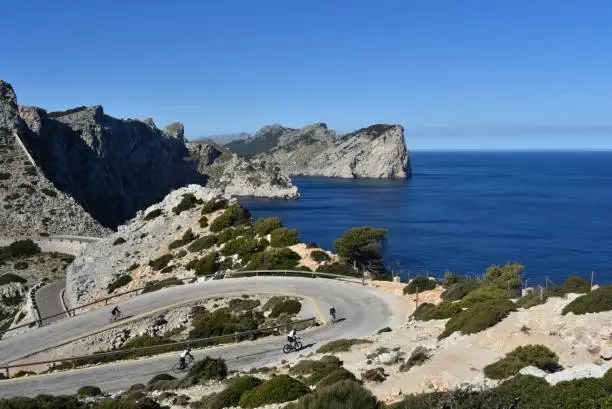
(178,368)
(116,317)
(333,315)
(295,346)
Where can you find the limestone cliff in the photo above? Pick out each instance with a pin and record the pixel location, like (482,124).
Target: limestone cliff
(378,151)
(114,167)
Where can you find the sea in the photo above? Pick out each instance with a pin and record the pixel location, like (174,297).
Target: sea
(464,211)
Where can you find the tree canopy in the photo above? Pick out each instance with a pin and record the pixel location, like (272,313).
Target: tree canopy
(363,246)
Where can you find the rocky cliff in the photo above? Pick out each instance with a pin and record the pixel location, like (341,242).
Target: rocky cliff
(378,151)
(115,167)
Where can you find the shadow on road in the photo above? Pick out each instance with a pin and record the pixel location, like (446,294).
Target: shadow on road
(339,320)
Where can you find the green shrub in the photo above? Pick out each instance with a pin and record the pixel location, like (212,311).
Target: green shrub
(187,238)
(279,389)
(444,310)
(133,267)
(202,243)
(160,262)
(346,394)
(241,304)
(319,256)
(189,201)
(235,215)
(274,259)
(531,299)
(456,291)
(338,269)
(478,317)
(11,278)
(205,265)
(42,402)
(213,205)
(203,222)
(576,285)
(155,285)
(335,376)
(118,240)
(283,237)
(243,246)
(419,284)
(506,276)
(340,345)
(288,307)
(161,377)
(205,370)
(484,294)
(265,225)
(418,357)
(223,322)
(230,396)
(450,279)
(89,391)
(528,355)
(49,192)
(119,282)
(20,248)
(312,372)
(596,301)
(21,265)
(374,375)
(153,214)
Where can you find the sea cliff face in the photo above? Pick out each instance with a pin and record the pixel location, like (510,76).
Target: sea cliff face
(378,151)
(114,167)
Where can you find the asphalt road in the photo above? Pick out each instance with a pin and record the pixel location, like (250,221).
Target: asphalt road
(365,311)
(48,300)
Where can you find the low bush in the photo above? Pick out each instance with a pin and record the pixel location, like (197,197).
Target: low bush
(506,276)
(274,259)
(374,375)
(189,201)
(312,372)
(235,215)
(456,291)
(205,265)
(89,391)
(340,345)
(279,389)
(119,282)
(20,265)
(596,301)
(419,284)
(11,278)
(241,304)
(478,317)
(335,376)
(5,175)
(345,394)
(287,307)
(119,240)
(265,225)
(187,238)
(418,357)
(203,222)
(283,237)
(160,262)
(444,310)
(153,214)
(202,243)
(155,285)
(243,246)
(223,322)
(21,374)
(450,279)
(166,270)
(213,205)
(133,267)
(161,377)
(230,396)
(43,402)
(49,192)
(528,355)
(205,370)
(575,284)
(319,256)
(20,248)
(339,269)
(484,294)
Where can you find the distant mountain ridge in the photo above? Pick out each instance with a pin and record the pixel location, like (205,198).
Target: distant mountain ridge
(378,151)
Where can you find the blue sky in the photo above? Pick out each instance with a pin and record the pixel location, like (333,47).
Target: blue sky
(456,73)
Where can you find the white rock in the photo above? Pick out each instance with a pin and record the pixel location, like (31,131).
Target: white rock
(606,354)
(533,371)
(388,358)
(576,372)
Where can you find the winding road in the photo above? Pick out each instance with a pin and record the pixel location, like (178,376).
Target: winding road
(365,311)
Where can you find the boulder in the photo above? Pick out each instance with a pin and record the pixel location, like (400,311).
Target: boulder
(388,358)
(577,372)
(533,371)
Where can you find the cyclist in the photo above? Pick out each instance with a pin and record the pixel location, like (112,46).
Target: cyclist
(292,336)
(186,353)
(332,312)
(115,312)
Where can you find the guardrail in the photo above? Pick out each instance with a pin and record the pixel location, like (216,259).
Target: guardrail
(229,274)
(191,342)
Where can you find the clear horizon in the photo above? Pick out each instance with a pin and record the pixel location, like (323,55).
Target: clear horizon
(469,75)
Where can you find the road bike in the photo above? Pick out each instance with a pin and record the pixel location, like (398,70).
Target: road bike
(295,346)
(116,317)
(178,367)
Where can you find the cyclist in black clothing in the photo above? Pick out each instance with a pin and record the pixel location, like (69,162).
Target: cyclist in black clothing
(115,311)
(332,312)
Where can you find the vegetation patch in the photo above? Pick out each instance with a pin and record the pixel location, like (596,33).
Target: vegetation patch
(531,299)
(118,240)
(19,248)
(341,345)
(418,357)
(205,370)
(274,259)
(444,310)
(119,282)
(313,371)
(244,247)
(224,322)
(319,256)
(20,265)
(160,262)
(49,192)
(374,375)
(213,205)
(364,246)
(345,394)
(235,215)
(339,269)
(242,304)
(153,214)
(529,355)
(155,285)
(506,277)
(205,265)
(279,389)
(5,176)
(419,284)
(456,291)
(202,243)
(484,294)
(187,238)
(596,301)
(89,391)
(478,317)
(188,201)
(203,222)
(286,307)
(230,396)
(265,225)
(283,237)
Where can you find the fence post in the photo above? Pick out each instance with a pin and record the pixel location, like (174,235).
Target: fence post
(592,278)
(546,284)
(541,293)
(6,372)
(417,298)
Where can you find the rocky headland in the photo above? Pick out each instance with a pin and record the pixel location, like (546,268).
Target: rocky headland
(378,151)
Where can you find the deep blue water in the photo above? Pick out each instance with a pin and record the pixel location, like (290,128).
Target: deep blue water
(463,211)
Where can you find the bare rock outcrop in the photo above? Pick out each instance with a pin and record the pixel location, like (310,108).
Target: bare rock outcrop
(378,151)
